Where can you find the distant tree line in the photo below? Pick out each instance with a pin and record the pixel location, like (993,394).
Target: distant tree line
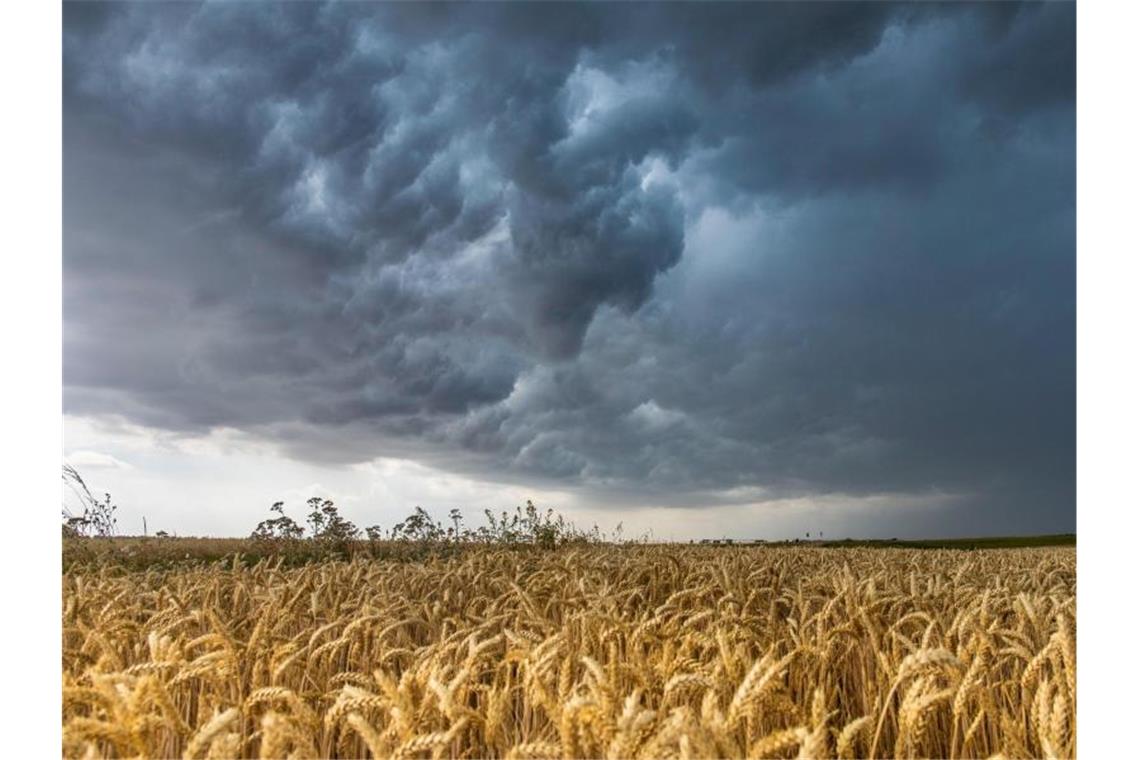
(327,528)
(526,525)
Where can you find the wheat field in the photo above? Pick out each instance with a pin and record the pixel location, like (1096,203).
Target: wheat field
(601,651)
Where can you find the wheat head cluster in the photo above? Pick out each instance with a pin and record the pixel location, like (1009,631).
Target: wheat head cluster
(594,652)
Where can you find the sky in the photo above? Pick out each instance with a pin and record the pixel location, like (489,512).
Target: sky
(744,270)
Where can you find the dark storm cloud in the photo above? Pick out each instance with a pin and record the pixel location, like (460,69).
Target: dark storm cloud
(649,251)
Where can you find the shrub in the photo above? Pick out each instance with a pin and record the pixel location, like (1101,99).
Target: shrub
(278,528)
(326,523)
(97,517)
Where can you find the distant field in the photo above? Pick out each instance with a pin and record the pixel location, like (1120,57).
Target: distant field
(138,553)
(998,542)
(593,651)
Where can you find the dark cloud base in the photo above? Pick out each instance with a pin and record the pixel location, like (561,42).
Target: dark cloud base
(649,252)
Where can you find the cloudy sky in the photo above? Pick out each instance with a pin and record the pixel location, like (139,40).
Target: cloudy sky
(743,270)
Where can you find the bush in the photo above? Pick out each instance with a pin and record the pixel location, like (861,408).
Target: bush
(326,523)
(280,528)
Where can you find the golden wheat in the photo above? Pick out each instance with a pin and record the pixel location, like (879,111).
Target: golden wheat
(615,652)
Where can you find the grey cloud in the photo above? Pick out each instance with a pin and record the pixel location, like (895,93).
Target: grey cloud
(646,251)
(1028,62)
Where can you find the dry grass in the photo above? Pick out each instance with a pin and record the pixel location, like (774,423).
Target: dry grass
(598,652)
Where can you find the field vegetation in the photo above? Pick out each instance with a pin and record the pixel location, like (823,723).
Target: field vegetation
(418,646)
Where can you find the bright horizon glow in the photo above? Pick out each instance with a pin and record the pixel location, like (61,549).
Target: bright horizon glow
(222,485)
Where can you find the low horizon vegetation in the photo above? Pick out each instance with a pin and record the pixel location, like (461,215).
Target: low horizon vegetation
(528,524)
(331,537)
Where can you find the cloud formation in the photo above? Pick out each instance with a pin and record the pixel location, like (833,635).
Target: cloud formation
(666,253)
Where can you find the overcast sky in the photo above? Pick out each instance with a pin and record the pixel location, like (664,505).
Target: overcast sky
(743,270)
